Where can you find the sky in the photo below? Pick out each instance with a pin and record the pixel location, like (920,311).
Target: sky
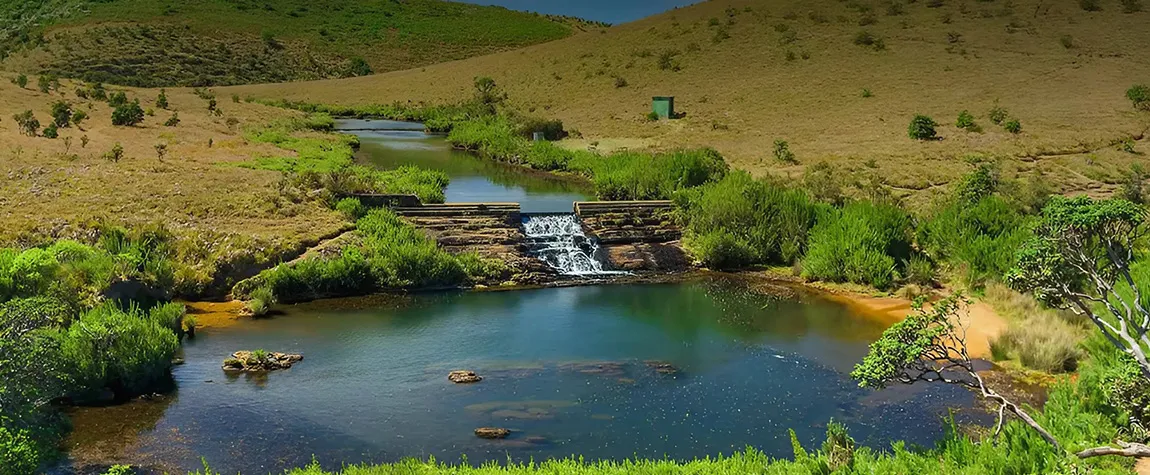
(610,11)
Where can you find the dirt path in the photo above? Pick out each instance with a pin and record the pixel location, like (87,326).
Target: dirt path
(215,314)
(1142,467)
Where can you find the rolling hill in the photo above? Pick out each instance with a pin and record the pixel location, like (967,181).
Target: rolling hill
(217,42)
(838,80)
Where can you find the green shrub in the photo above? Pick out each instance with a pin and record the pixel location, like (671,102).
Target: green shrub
(919,270)
(544,155)
(922,128)
(128,114)
(50,132)
(125,351)
(965,121)
(61,113)
(997,114)
(27,123)
(620,82)
(78,117)
(117,99)
(162,99)
(115,154)
(1132,184)
(262,299)
(643,176)
(1139,95)
(1043,344)
(1013,126)
(737,216)
(169,315)
(981,237)
(667,61)
(860,243)
(20,454)
(652,116)
(351,208)
(44,82)
(21,80)
(1131,6)
(173,121)
(783,152)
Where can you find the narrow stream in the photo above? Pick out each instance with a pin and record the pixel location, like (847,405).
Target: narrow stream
(391,144)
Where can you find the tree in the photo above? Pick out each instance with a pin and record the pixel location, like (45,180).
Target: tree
(162,99)
(488,94)
(78,117)
(1139,95)
(21,80)
(128,114)
(117,99)
(930,345)
(27,122)
(61,113)
(44,82)
(922,128)
(1079,259)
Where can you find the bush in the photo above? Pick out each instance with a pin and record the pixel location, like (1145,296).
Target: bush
(919,271)
(51,132)
(866,38)
(997,114)
(1013,126)
(128,114)
(117,99)
(965,121)
(61,113)
(860,243)
(21,81)
(1041,343)
(115,154)
(1132,184)
(922,128)
(125,351)
(27,123)
(978,235)
(162,99)
(1139,95)
(44,82)
(1131,6)
(643,176)
(740,222)
(78,117)
(1090,5)
(652,116)
(173,121)
(19,452)
(667,61)
(620,82)
(783,152)
(359,67)
(261,301)
(351,208)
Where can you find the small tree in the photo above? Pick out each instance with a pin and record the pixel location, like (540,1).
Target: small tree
(488,94)
(997,114)
(173,121)
(1013,126)
(44,82)
(922,128)
(162,99)
(128,114)
(84,141)
(929,346)
(161,151)
(1139,94)
(51,132)
(21,80)
(117,99)
(1131,189)
(783,152)
(27,123)
(61,113)
(1079,259)
(116,154)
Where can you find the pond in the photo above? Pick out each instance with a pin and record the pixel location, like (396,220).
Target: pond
(391,144)
(678,370)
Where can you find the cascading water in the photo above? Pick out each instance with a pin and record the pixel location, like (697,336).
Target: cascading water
(558,240)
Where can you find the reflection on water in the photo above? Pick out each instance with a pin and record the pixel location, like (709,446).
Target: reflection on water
(674,370)
(390,144)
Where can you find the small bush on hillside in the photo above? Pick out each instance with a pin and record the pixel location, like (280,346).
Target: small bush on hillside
(116,154)
(721,250)
(861,243)
(1139,95)
(922,128)
(721,33)
(27,123)
(51,131)
(21,81)
(867,20)
(78,117)
(823,181)
(919,271)
(173,121)
(1044,344)
(128,114)
(117,99)
(1131,6)
(1132,184)
(667,61)
(1090,5)
(1013,126)
(997,114)
(61,113)
(620,82)
(359,67)
(162,99)
(867,94)
(866,38)
(965,121)
(652,116)
(44,82)
(783,152)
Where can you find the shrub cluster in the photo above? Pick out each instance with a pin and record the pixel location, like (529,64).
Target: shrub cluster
(392,255)
(863,243)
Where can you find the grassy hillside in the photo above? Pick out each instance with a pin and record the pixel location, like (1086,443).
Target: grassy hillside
(211,42)
(838,80)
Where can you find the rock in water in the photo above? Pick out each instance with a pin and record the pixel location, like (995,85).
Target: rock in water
(250,361)
(464,377)
(492,433)
(662,367)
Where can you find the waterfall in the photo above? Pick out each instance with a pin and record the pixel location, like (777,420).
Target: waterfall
(558,240)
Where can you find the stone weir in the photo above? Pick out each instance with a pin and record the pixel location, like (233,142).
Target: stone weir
(636,235)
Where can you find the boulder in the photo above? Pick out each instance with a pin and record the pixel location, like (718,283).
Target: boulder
(464,377)
(264,361)
(662,367)
(492,433)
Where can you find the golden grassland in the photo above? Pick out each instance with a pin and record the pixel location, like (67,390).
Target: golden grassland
(51,183)
(740,93)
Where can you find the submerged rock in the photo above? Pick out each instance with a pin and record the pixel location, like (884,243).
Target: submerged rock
(260,361)
(662,367)
(492,433)
(464,377)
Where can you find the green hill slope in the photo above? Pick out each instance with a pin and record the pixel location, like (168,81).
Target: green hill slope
(220,42)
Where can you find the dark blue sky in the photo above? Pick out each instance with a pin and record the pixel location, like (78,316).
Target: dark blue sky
(611,11)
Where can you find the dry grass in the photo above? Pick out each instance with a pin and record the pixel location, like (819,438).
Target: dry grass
(741,93)
(48,184)
(1037,337)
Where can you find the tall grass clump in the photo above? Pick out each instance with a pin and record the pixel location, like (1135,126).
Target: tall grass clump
(738,222)
(863,243)
(1038,337)
(644,176)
